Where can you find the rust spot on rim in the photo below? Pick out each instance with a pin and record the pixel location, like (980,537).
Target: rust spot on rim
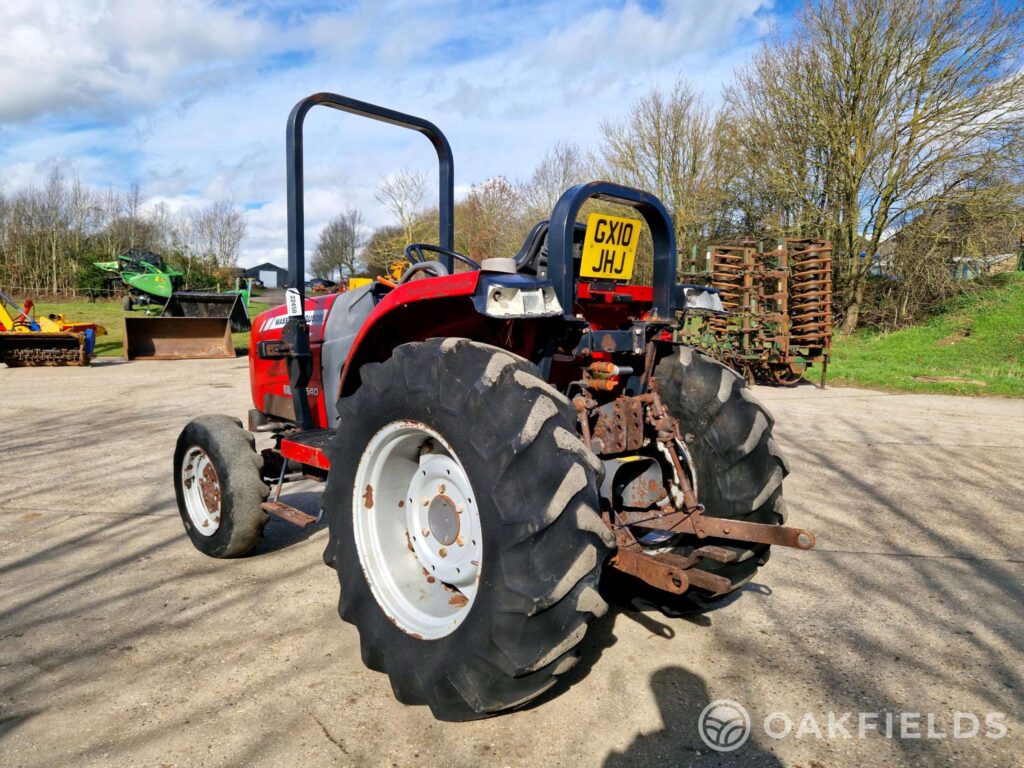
(368,497)
(458,600)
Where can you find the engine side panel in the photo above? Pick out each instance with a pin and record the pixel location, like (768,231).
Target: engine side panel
(268,379)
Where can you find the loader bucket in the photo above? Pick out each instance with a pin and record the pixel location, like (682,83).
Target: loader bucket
(208,304)
(177,338)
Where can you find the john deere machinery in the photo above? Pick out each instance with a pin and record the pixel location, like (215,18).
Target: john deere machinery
(777,299)
(178,323)
(49,340)
(146,276)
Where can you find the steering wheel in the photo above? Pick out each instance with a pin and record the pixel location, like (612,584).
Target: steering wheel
(414,253)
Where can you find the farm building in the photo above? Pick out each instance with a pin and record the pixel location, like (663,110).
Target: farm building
(271,275)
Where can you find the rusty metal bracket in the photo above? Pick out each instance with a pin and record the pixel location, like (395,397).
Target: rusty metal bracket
(288,512)
(671,572)
(667,570)
(652,569)
(704,526)
(620,426)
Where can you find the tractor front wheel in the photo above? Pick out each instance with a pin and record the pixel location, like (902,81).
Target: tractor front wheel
(463,527)
(218,485)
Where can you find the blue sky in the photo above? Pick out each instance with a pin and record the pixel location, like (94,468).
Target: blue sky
(189,98)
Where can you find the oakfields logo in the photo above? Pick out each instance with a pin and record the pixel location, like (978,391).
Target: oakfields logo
(725,725)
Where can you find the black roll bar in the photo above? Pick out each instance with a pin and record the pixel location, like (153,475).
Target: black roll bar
(560,235)
(296,215)
(296,332)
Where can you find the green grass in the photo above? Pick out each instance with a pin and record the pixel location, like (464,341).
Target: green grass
(976,343)
(109,314)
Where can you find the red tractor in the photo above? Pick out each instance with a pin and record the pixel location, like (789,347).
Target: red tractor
(493,436)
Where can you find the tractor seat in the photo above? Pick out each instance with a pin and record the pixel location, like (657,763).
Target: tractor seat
(532,258)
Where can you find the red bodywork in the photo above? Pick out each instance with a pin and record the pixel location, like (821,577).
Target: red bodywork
(268,379)
(415,311)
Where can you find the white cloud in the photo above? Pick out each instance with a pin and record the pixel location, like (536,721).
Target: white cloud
(65,57)
(503,81)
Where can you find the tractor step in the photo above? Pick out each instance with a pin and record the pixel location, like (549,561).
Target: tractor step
(289,513)
(308,447)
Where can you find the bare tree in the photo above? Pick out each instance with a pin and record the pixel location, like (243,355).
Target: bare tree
(562,166)
(490,221)
(669,144)
(217,232)
(880,108)
(338,249)
(403,195)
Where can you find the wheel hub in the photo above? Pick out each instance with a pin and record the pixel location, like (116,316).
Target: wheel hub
(443,520)
(201,485)
(417,529)
(209,486)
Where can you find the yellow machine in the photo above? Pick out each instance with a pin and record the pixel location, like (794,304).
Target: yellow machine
(49,340)
(397,268)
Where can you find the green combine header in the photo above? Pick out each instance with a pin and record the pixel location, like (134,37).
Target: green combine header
(188,324)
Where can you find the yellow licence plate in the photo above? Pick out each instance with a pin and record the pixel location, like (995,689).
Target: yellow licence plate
(609,249)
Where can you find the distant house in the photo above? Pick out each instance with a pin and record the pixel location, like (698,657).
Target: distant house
(271,275)
(969,267)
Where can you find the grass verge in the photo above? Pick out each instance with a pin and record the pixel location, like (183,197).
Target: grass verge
(975,346)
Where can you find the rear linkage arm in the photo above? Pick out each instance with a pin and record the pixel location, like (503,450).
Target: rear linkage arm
(666,570)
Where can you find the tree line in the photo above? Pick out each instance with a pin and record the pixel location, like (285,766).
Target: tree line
(893,129)
(50,235)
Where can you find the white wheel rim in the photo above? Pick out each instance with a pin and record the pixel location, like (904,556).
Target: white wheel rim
(201,485)
(417,529)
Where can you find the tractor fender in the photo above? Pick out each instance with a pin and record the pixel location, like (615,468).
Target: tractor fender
(414,311)
(344,323)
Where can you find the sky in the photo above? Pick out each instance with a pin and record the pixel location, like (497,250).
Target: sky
(189,98)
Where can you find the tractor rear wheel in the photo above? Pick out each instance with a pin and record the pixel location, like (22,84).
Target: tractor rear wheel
(218,485)
(737,464)
(463,528)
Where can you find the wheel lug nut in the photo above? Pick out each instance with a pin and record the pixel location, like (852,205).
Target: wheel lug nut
(425,532)
(460,542)
(442,552)
(426,501)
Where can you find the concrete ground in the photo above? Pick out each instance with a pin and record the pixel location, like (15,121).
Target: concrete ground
(120,645)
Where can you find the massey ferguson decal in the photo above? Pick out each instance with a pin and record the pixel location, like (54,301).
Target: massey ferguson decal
(313,317)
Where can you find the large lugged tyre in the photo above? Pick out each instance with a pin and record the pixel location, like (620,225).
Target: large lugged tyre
(461,505)
(219,487)
(738,466)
